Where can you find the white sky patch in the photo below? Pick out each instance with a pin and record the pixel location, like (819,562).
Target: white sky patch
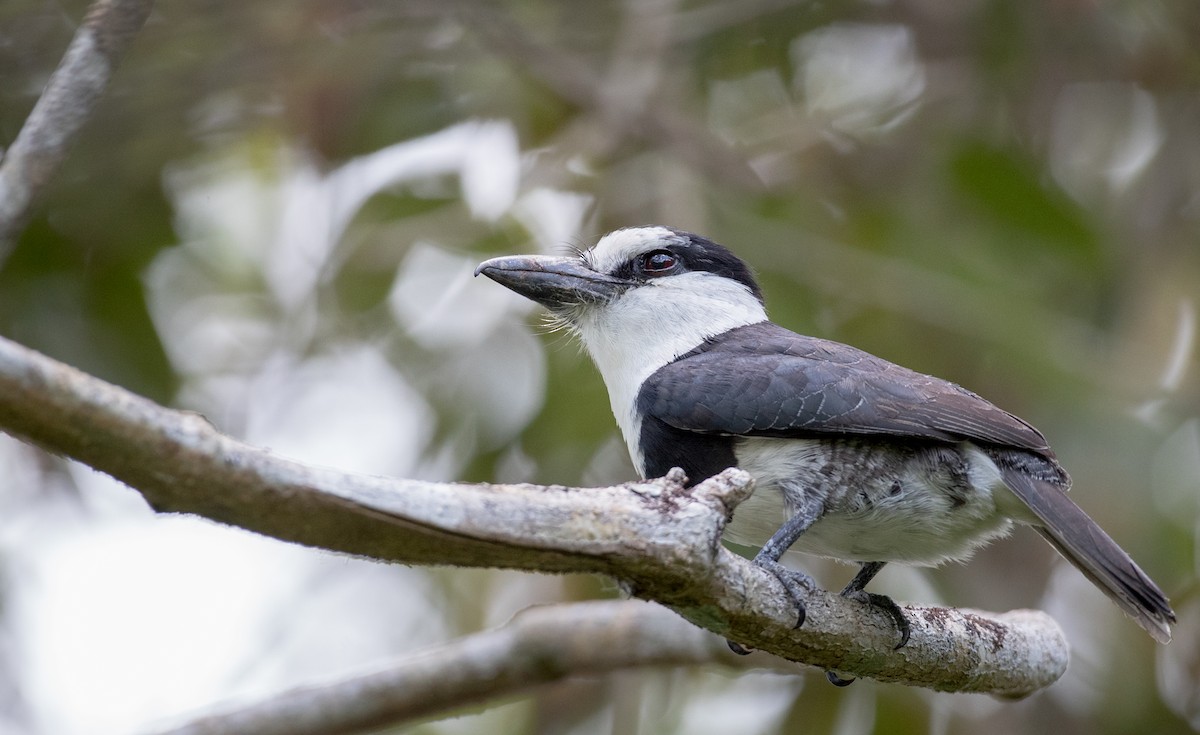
(745,110)
(440,303)
(554,218)
(126,623)
(348,409)
(226,212)
(499,379)
(491,170)
(485,155)
(860,79)
(857,712)
(502,385)
(1104,136)
(287,219)
(751,702)
(22,482)
(201,329)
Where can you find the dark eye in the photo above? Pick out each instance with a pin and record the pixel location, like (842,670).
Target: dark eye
(658,262)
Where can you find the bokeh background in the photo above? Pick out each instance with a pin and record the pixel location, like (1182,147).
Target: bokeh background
(273,219)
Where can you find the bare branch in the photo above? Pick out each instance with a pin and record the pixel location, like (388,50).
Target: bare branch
(65,105)
(659,538)
(538,646)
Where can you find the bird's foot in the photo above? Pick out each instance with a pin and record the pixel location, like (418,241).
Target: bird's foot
(798,585)
(889,606)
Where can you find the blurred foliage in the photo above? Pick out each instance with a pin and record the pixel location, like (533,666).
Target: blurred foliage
(1003,194)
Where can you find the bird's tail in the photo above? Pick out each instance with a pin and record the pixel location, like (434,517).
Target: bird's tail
(1093,552)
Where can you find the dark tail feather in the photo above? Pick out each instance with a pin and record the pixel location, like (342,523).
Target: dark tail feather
(1093,552)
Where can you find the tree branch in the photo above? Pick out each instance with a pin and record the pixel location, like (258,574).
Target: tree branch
(65,105)
(538,646)
(659,538)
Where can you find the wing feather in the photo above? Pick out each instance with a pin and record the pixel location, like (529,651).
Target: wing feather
(763,380)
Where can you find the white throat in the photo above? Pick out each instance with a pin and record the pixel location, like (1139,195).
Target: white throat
(652,325)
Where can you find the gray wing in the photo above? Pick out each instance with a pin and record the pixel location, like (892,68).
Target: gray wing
(763,380)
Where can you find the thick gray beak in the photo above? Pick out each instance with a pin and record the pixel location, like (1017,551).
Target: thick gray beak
(553,282)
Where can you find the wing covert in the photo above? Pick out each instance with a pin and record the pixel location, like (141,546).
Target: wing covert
(763,380)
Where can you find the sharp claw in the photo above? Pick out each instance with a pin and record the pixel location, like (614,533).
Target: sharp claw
(801,610)
(904,631)
(838,681)
(889,606)
(797,584)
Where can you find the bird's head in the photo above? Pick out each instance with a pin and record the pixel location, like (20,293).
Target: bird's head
(639,299)
(638,281)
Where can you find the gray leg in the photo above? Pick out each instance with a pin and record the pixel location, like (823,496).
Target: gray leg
(797,584)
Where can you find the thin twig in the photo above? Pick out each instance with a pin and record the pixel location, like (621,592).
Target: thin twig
(65,105)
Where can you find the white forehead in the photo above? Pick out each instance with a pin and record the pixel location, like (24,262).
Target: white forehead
(619,246)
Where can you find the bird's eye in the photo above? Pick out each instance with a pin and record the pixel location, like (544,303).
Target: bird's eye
(659,262)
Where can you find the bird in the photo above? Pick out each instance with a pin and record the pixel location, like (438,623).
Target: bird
(854,457)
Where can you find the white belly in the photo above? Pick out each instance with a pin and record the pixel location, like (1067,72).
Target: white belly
(887,508)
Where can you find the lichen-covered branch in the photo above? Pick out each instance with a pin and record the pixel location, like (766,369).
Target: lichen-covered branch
(660,539)
(30,163)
